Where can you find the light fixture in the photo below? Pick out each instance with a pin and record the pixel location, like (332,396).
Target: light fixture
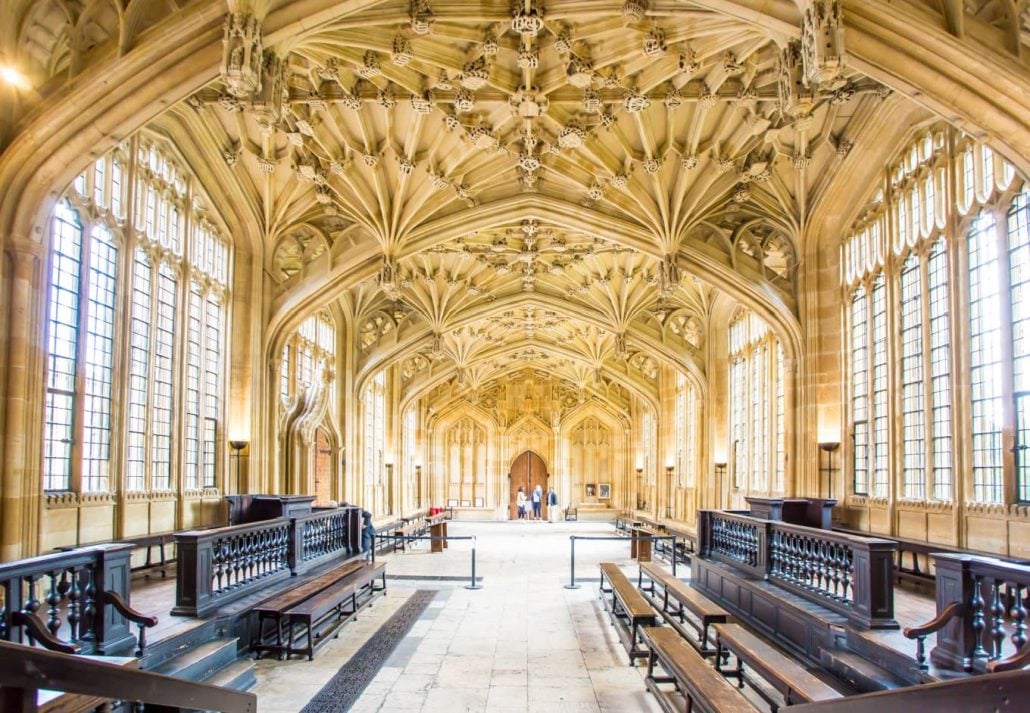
(640,486)
(418,484)
(12,77)
(828,447)
(237,445)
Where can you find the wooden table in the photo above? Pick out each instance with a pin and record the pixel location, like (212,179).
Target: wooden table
(640,550)
(438,528)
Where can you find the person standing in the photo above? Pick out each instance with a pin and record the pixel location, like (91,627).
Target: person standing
(368,534)
(538,501)
(520,502)
(552,505)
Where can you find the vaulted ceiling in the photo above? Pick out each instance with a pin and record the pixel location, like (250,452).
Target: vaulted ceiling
(566,186)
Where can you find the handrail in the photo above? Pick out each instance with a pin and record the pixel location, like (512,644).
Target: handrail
(977,694)
(26,669)
(38,630)
(136,617)
(850,575)
(995,610)
(919,633)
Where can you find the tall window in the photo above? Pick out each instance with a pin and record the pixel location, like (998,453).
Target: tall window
(994,247)
(686,432)
(757,424)
(374,417)
(308,352)
(99,248)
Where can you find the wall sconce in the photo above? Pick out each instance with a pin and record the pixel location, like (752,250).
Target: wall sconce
(237,445)
(418,485)
(828,447)
(640,487)
(668,491)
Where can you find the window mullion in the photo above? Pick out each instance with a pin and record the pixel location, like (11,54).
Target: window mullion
(1008,430)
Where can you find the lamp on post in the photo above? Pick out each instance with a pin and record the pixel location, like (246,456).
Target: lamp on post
(640,487)
(389,487)
(669,467)
(720,473)
(418,485)
(829,447)
(237,445)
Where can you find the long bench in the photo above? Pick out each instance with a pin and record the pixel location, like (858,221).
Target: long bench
(357,589)
(703,610)
(793,682)
(701,685)
(629,611)
(273,611)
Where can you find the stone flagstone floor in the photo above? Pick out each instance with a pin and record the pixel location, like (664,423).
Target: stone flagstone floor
(521,643)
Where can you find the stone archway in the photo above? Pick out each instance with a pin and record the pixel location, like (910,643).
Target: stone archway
(527,470)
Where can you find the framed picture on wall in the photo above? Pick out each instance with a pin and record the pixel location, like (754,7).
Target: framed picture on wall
(479,502)
(452,503)
(604,491)
(590,490)
(466,503)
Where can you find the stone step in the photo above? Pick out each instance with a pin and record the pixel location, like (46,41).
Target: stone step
(239,676)
(202,661)
(859,673)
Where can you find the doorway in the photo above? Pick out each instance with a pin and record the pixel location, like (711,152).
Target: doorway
(323,468)
(528,470)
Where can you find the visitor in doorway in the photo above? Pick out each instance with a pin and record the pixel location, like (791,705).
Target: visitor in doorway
(552,505)
(520,501)
(538,500)
(368,533)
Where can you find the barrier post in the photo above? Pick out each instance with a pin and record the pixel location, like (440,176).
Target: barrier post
(572,565)
(473,584)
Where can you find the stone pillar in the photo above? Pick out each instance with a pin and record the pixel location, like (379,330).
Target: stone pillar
(21,478)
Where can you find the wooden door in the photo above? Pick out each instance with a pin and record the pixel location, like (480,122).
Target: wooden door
(527,470)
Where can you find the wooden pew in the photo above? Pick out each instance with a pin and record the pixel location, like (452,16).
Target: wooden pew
(628,609)
(274,610)
(357,589)
(702,686)
(704,611)
(788,677)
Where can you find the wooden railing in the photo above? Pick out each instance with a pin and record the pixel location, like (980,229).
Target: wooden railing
(847,574)
(219,566)
(24,671)
(981,621)
(75,601)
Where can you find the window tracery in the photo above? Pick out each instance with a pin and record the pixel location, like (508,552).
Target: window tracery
(911,286)
(151,237)
(756,407)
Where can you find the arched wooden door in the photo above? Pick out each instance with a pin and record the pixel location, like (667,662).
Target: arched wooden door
(527,470)
(323,457)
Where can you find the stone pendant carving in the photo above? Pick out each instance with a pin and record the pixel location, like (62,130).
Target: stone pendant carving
(822,40)
(241,54)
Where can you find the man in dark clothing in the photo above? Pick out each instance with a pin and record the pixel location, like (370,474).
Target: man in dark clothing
(368,532)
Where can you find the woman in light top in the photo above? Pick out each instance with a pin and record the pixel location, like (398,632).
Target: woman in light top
(520,501)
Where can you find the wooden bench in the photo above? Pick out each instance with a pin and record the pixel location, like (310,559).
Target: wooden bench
(407,535)
(702,686)
(795,683)
(356,589)
(571,513)
(704,610)
(628,609)
(274,610)
(60,702)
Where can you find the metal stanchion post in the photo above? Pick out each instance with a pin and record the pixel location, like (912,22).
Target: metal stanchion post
(572,565)
(673,555)
(473,584)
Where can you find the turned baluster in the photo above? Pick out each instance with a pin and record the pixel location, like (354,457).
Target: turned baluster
(74,595)
(54,600)
(997,620)
(845,575)
(217,560)
(835,572)
(89,610)
(978,624)
(1018,614)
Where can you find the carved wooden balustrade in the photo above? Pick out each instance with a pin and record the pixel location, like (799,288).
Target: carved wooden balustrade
(219,566)
(847,574)
(73,602)
(981,621)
